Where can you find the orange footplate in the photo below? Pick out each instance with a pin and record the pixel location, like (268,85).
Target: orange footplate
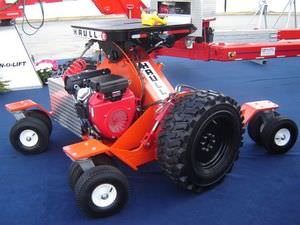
(21,105)
(24,105)
(250,108)
(85,149)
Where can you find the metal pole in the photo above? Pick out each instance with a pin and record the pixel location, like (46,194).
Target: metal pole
(258,12)
(261,13)
(289,13)
(225,5)
(265,15)
(295,11)
(281,14)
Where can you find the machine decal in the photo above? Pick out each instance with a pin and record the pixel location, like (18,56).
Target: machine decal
(156,82)
(12,64)
(90,34)
(268,51)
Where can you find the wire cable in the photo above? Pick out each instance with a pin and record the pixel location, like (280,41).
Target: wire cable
(26,20)
(136,69)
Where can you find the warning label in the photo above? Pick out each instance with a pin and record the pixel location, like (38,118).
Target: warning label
(268,51)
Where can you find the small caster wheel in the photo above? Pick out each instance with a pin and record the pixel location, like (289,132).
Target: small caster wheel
(29,136)
(75,170)
(279,135)
(257,123)
(42,116)
(101,191)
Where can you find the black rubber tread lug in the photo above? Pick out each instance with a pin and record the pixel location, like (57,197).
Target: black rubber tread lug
(179,124)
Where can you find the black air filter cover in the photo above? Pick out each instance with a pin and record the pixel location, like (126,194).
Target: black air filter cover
(109,84)
(83,79)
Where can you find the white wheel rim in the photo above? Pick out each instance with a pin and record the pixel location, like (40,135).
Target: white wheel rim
(104,195)
(282,137)
(29,138)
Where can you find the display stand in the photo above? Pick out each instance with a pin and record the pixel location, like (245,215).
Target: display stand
(15,63)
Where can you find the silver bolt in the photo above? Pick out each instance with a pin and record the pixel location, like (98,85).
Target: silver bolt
(104,196)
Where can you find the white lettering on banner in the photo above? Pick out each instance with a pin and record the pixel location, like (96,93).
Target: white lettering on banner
(156,82)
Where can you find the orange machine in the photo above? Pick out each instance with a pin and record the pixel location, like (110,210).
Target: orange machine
(129,111)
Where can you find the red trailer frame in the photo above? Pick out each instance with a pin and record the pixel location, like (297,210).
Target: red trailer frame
(288,45)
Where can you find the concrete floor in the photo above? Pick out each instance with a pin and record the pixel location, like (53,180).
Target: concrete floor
(56,41)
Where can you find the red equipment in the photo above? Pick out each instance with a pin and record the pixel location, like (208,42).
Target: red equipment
(116,105)
(129,110)
(76,67)
(131,8)
(116,116)
(288,44)
(9,11)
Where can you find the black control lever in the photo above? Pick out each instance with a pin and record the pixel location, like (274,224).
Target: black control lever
(169,41)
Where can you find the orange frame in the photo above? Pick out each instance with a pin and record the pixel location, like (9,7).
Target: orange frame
(129,148)
(25,105)
(138,144)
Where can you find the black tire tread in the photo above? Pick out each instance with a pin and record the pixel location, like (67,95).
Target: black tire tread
(36,113)
(177,128)
(253,128)
(258,120)
(75,170)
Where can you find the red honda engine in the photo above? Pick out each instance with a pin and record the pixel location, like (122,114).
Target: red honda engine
(112,118)
(103,99)
(112,108)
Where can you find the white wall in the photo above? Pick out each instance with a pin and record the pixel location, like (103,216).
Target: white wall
(67,8)
(74,8)
(252,5)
